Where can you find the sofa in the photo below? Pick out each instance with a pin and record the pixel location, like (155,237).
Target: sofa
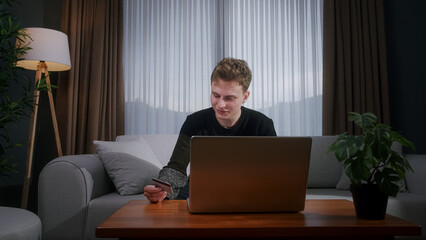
(78,192)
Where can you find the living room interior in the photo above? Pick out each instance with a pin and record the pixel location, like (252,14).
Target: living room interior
(405,38)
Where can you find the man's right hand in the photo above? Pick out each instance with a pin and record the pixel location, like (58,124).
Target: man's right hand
(154,194)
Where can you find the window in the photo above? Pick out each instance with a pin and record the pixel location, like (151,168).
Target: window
(171,48)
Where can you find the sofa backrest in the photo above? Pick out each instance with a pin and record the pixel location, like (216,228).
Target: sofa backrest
(324,169)
(416,180)
(162,144)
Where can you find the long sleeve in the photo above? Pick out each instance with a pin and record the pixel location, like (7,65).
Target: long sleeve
(175,171)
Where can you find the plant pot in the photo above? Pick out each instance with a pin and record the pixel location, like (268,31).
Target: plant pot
(370,202)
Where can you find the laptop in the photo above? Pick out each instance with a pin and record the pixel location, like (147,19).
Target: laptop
(248,174)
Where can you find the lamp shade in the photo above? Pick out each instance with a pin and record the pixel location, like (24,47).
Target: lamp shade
(46,45)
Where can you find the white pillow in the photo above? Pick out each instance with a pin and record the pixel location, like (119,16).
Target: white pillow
(138,148)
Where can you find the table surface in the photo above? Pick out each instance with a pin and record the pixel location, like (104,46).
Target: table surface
(171,218)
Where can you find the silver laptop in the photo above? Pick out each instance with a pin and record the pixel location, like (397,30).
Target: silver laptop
(248,174)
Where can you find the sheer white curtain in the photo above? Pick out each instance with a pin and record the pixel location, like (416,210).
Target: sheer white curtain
(282,41)
(171,47)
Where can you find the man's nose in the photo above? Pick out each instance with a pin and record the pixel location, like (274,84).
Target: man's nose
(221,103)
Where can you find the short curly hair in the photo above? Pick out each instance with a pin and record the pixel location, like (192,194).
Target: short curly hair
(231,69)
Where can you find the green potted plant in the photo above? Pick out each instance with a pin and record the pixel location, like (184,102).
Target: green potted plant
(16,93)
(373,168)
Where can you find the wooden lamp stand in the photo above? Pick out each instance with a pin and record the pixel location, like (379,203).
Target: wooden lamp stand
(41,69)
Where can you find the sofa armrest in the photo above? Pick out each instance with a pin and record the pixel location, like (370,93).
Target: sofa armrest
(66,186)
(416,180)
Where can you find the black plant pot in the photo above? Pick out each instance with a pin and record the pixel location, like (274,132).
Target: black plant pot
(370,202)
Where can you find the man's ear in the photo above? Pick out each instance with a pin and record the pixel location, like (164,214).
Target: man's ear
(246,95)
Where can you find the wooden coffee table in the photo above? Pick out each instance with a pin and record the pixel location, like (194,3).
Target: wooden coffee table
(321,219)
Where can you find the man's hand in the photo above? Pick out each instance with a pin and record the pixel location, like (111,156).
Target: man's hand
(154,194)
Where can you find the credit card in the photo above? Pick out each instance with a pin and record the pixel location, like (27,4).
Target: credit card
(165,186)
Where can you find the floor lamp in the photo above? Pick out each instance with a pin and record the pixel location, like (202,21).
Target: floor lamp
(49,52)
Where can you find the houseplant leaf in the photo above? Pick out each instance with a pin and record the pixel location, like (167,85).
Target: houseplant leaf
(368,158)
(13,107)
(366,121)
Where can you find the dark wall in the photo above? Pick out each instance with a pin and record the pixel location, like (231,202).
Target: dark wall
(406,47)
(32,13)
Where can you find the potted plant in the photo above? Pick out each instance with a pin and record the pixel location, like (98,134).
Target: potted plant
(16,94)
(373,168)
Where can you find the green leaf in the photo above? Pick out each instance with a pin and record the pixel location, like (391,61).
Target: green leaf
(369,158)
(365,121)
(359,171)
(346,146)
(401,140)
(12,108)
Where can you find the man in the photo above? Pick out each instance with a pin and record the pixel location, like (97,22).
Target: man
(230,81)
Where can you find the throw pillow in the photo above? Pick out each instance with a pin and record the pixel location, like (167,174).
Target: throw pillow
(344,182)
(130,164)
(128,173)
(138,148)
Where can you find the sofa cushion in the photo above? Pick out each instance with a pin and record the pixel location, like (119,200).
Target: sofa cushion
(128,173)
(327,193)
(99,209)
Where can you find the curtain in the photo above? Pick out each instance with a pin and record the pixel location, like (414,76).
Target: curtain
(169,53)
(282,41)
(90,97)
(171,48)
(355,65)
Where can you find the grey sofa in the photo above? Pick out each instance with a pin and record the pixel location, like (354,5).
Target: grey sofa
(76,194)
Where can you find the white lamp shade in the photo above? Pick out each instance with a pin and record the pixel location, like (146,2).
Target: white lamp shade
(47,45)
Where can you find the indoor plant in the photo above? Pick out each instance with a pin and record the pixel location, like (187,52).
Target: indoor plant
(16,93)
(370,163)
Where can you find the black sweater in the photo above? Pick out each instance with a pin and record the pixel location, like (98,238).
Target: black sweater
(204,123)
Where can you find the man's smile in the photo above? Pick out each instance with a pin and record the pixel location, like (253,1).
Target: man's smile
(222,111)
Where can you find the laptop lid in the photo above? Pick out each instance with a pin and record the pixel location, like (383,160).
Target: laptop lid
(248,174)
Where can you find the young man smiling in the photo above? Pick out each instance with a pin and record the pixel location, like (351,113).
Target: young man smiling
(230,81)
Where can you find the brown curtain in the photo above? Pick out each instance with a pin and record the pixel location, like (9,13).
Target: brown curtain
(354,63)
(90,97)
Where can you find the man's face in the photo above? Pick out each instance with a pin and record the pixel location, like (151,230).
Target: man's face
(226,99)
